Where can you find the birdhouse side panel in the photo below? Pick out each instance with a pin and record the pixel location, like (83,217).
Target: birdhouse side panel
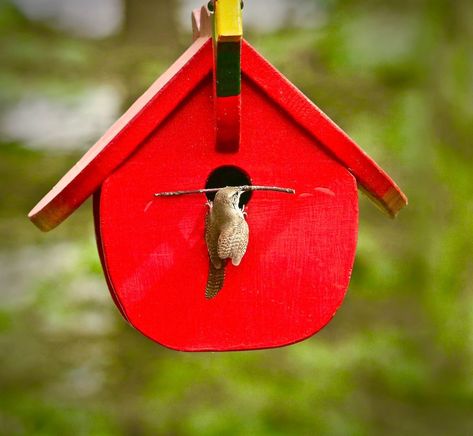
(296,271)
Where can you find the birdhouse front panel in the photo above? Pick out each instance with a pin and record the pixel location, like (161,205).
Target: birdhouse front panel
(301,248)
(181,135)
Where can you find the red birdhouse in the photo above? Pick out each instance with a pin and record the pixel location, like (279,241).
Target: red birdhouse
(297,268)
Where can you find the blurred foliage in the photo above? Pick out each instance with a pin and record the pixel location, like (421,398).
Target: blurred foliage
(398,357)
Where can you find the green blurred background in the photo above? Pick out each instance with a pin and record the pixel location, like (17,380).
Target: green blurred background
(398,357)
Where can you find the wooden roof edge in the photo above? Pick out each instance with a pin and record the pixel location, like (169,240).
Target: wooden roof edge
(369,175)
(124,136)
(391,203)
(146,114)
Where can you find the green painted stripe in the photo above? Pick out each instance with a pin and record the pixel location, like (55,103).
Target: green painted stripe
(228,69)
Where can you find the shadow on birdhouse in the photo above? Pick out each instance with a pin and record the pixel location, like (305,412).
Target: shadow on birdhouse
(297,267)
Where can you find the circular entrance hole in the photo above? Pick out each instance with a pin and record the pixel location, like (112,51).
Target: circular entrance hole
(228,176)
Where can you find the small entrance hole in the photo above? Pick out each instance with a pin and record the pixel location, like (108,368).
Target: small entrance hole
(228,176)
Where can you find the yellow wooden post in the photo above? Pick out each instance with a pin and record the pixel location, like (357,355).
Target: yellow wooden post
(228,21)
(228,35)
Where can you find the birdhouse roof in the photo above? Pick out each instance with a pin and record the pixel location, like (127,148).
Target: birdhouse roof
(157,103)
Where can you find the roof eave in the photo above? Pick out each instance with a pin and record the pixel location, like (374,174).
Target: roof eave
(125,135)
(152,108)
(369,175)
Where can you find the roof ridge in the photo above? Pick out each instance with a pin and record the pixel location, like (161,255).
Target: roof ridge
(161,98)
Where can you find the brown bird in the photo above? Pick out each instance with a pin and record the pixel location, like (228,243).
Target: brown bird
(226,235)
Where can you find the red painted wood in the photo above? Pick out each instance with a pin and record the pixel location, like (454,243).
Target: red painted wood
(336,142)
(301,250)
(121,140)
(300,256)
(98,238)
(171,89)
(228,123)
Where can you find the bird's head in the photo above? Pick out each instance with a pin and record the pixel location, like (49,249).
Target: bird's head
(229,195)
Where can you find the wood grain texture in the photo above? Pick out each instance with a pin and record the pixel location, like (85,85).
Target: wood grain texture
(380,187)
(128,133)
(296,271)
(121,140)
(297,267)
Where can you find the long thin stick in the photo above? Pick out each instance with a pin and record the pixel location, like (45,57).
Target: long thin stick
(245,188)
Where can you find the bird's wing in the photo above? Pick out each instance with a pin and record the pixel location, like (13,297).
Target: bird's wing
(211,238)
(233,242)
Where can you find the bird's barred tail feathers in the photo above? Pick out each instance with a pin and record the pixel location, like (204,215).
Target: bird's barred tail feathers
(215,281)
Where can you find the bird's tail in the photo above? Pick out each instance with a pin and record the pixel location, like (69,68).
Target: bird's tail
(215,281)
